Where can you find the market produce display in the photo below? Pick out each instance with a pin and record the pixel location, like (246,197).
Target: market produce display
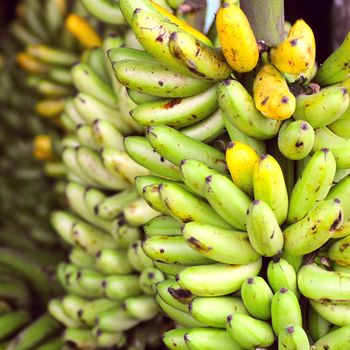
(197,181)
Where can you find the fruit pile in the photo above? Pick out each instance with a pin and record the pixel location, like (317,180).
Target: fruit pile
(202,182)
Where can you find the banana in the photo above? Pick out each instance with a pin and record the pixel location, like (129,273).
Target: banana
(199,60)
(334,340)
(169,269)
(216,279)
(20,32)
(269,186)
(233,210)
(72,112)
(310,233)
(91,282)
(138,213)
(82,31)
(281,274)
(172,250)
(113,262)
(257,296)
(120,287)
(124,234)
(52,344)
(140,98)
(80,258)
(143,181)
(12,322)
(163,291)
(126,53)
(156,80)
(63,222)
(31,64)
(80,338)
(285,310)
(241,160)
(174,339)
(60,75)
(176,112)
(56,310)
(137,258)
(331,285)
(95,58)
(317,325)
(142,307)
(271,94)
(142,152)
(323,107)
(209,339)
(184,206)
(90,310)
(295,54)
(151,196)
(264,232)
(106,134)
(50,107)
(335,69)
(213,311)
(85,137)
(342,192)
(149,278)
(225,246)
(109,339)
(249,332)
(335,312)
(239,109)
(313,185)
(296,139)
(52,55)
(54,15)
(50,89)
(338,252)
(105,11)
(293,338)
(181,295)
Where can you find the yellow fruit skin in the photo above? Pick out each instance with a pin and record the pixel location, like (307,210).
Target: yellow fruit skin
(31,64)
(241,160)
(296,54)
(271,94)
(42,147)
(238,42)
(182,25)
(83,31)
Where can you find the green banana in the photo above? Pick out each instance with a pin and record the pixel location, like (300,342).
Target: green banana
(176,112)
(90,310)
(257,296)
(293,338)
(12,322)
(285,310)
(106,134)
(281,274)
(137,258)
(234,208)
(335,312)
(85,137)
(60,75)
(295,139)
(120,287)
(334,340)
(91,282)
(56,310)
(249,332)
(239,109)
(169,269)
(313,185)
(63,222)
(128,8)
(72,112)
(225,246)
(174,146)
(341,191)
(142,307)
(109,339)
(149,278)
(140,98)
(72,304)
(341,126)
(172,250)
(152,198)
(52,55)
(317,325)
(323,107)
(213,311)
(216,279)
(95,59)
(332,285)
(138,213)
(52,344)
(338,252)
(163,288)
(126,53)
(311,232)
(174,339)
(80,338)
(113,262)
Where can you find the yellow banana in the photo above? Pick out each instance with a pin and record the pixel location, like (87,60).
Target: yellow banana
(50,108)
(271,94)
(42,147)
(237,38)
(31,64)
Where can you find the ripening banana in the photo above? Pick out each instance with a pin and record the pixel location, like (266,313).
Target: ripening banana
(339,253)
(271,94)
(285,310)
(239,109)
(296,54)
(335,340)
(296,139)
(163,289)
(237,39)
(257,296)
(225,246)
(331,285)
(323,107)
(249,332)
(313,185)
(315,229)
(216,279)
(270,187)
(264,232)
(241,160)
(293,338)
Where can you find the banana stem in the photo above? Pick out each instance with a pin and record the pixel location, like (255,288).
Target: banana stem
(266,18)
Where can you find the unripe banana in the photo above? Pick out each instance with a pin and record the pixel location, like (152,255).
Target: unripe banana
(63,222)
(293,338)
(72,112)
(174,339)
(109,339)
(91,282)
(295,260)
(241,160)
(120,287)
(163,288)
(341,126)
(216,279)
(335,312)
(142,181)
(52,55)
(313,185)
(296,54)
(233,210)
(295,139)
(335,340)
(323,107)
(257,296)
(72,304)
(138,213)
(213,311)
(85,136)
(170,270)
(113,262)
(249,332)
(137,258)
(236,37)
(331,285)
(271,94)
(315,229)
(80,338)
(126,53)
(139,97)
(339,252)
(270,187)
(142,307)
(317,325)
(281,274)
(80,258)
(342,192)
(151,196)
(106,134)
(149,278)
(239,109)
(226,246)
(12,322)
(285,310)
(95,58)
